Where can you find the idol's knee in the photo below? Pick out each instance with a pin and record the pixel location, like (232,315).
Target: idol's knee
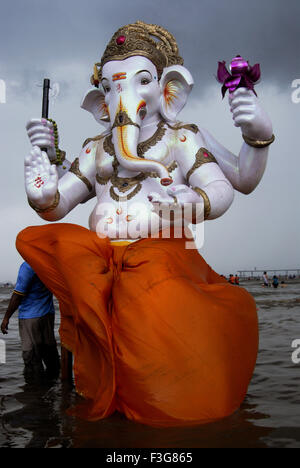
(162,256)
(25,237)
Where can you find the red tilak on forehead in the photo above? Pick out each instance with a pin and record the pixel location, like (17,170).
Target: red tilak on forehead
(119,76)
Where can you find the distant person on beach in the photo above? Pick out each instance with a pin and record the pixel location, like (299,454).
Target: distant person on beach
(231,279)
(275,282)
(265,279)
(36,325)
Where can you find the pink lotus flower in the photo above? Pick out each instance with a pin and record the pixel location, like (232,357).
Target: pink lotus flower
(242,75)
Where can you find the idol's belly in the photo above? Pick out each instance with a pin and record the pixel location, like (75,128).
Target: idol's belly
(119,217)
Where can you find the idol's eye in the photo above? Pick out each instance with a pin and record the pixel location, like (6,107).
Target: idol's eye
(144,77)
(145,81)
(106,86)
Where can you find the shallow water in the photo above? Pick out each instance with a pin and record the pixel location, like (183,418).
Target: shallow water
(269,417)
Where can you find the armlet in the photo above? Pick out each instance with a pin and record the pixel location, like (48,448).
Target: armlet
(74,169)
(203,156)
(207,206)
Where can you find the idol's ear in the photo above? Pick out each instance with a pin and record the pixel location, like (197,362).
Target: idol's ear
(175,84)
(94,102)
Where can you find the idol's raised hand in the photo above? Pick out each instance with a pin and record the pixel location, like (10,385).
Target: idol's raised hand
(41,133)
(249,115)
(41,179)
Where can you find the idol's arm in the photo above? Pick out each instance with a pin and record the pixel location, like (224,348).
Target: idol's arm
(204,178)
(205,184)
(246,170)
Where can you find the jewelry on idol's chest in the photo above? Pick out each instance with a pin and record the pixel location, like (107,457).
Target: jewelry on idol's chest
(124,184)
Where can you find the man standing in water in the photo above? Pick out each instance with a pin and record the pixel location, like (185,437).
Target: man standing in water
(265,279)
(36,325)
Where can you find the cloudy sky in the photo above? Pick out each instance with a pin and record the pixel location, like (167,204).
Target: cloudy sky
(62,39)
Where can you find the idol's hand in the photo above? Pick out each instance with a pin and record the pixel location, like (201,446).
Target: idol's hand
(183,194)
(41,179)
(176,198)
(249,115)
(41,134)
(162,204)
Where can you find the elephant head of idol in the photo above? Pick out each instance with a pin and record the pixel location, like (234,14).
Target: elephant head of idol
(139,81)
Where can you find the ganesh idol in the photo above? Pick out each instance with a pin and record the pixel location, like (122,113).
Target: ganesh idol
(155,332)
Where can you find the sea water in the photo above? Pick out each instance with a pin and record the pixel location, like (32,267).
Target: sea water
(35,416)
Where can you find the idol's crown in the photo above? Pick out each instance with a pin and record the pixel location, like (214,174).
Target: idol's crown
(148,40)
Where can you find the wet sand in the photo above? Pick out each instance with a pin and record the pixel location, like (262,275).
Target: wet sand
(269,417)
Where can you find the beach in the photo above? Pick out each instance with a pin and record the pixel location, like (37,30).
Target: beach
(269,417)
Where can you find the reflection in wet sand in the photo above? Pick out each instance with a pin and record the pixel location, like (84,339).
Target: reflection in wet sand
(43,422)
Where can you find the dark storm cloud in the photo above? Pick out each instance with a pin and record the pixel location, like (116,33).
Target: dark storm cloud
(40,34)
(62,39)
(261,31)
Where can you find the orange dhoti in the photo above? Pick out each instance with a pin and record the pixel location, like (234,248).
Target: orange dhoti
(156,334)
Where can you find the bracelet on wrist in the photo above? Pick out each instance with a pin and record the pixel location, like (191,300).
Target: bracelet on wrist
(48,208)
(207,207)
(258,143)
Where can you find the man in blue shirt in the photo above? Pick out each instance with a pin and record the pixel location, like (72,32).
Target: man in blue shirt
(36,324)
